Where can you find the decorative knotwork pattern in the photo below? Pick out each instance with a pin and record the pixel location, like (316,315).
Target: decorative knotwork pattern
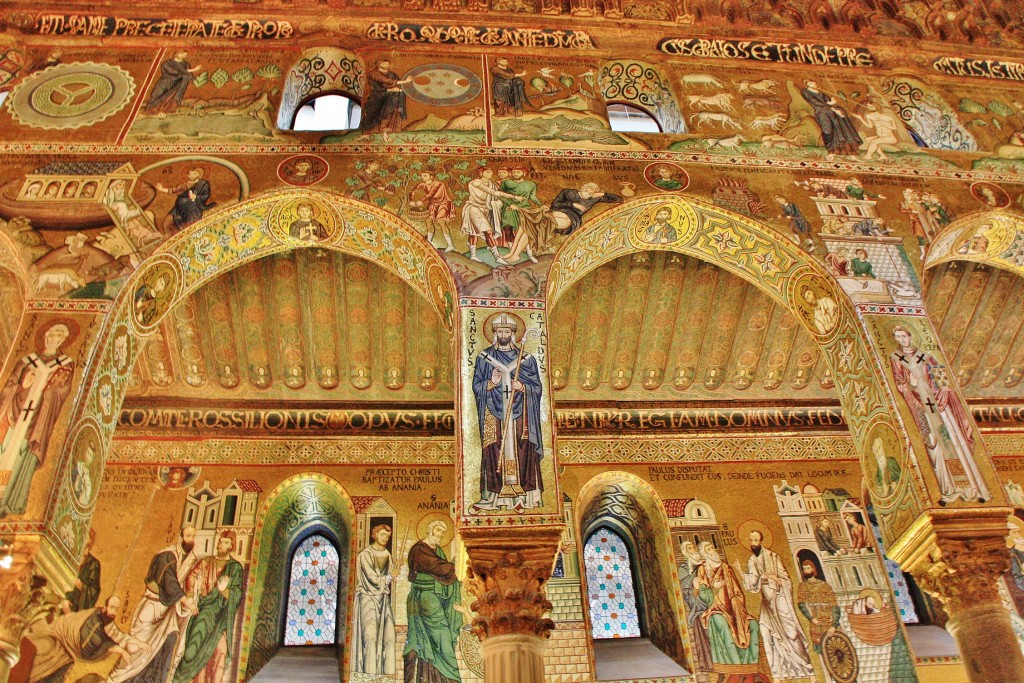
(509,591)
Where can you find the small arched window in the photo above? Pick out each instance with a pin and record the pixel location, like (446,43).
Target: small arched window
(328,112)
(627,118)
(610,586)
(312,593)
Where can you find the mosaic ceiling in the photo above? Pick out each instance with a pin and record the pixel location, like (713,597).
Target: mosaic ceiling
(652,327)
(978,314)
(307,325)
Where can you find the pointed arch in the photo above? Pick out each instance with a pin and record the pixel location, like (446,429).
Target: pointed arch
(220,242)
(785,273)
(632,508)
(300,506)
(995,238)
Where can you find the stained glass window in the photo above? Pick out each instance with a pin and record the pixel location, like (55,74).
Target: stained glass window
(312,593)
(613,612)
(900,589)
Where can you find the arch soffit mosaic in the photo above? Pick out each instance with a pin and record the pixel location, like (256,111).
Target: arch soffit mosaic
(993,238)
(265,225)
(312,496)
(648,500)
(780,269)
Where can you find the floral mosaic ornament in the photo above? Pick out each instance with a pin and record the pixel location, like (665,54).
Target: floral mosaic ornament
(613,610)
(312,594)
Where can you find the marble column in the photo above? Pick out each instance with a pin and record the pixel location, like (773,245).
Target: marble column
(507,573)
(958,556)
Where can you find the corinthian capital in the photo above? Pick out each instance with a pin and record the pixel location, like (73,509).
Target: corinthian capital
(957,556)
(507,577)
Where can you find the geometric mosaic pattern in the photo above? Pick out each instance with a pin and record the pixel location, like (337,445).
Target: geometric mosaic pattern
(900,589)
(613,612)
(312,594)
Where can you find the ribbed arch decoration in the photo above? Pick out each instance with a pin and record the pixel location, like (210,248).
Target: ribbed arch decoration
(313,593)
(610,586)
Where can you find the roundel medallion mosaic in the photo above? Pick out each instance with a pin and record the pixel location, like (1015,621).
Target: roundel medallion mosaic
(71,95)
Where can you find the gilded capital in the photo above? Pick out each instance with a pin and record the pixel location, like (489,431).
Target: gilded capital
(507,579)
(957,556)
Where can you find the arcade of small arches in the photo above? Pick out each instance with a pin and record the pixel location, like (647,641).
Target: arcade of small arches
(618,519)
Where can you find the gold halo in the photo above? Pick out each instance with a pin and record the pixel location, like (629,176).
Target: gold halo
(744,529)
(872,593)
(421,527)
(1015,526)
(520,326)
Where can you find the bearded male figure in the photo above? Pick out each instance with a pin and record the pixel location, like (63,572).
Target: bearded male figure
(216,587)
(162,613)
(785,645)
(507,387)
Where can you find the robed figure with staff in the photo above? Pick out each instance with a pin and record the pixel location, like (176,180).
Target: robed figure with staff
(507,388)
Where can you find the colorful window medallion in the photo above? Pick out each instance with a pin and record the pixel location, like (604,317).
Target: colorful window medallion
(613,611)
(312,593)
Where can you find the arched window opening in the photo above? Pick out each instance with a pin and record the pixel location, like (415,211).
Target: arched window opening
(328,112)
(610,586)
(638,95)
(312,593)
(626,118)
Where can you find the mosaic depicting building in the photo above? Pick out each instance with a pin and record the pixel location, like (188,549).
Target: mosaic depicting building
(512,341)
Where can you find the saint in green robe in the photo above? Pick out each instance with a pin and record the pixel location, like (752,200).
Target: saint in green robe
(734,635)
(217,605)
(434,623)
(526,190)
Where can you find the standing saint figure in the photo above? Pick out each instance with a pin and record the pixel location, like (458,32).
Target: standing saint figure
(508,89)
(732,632)
(507,387)
(837,131)
(434,612)
(437,200)
(87,585)
(384,108)
(192,201)
(162,612)
(30,404)
(373,624)
(785,645)
(216,587)
(939,415)
(169,90)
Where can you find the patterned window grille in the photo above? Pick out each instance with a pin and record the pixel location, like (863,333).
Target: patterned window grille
(613,607)
(900,589)
(313,593)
